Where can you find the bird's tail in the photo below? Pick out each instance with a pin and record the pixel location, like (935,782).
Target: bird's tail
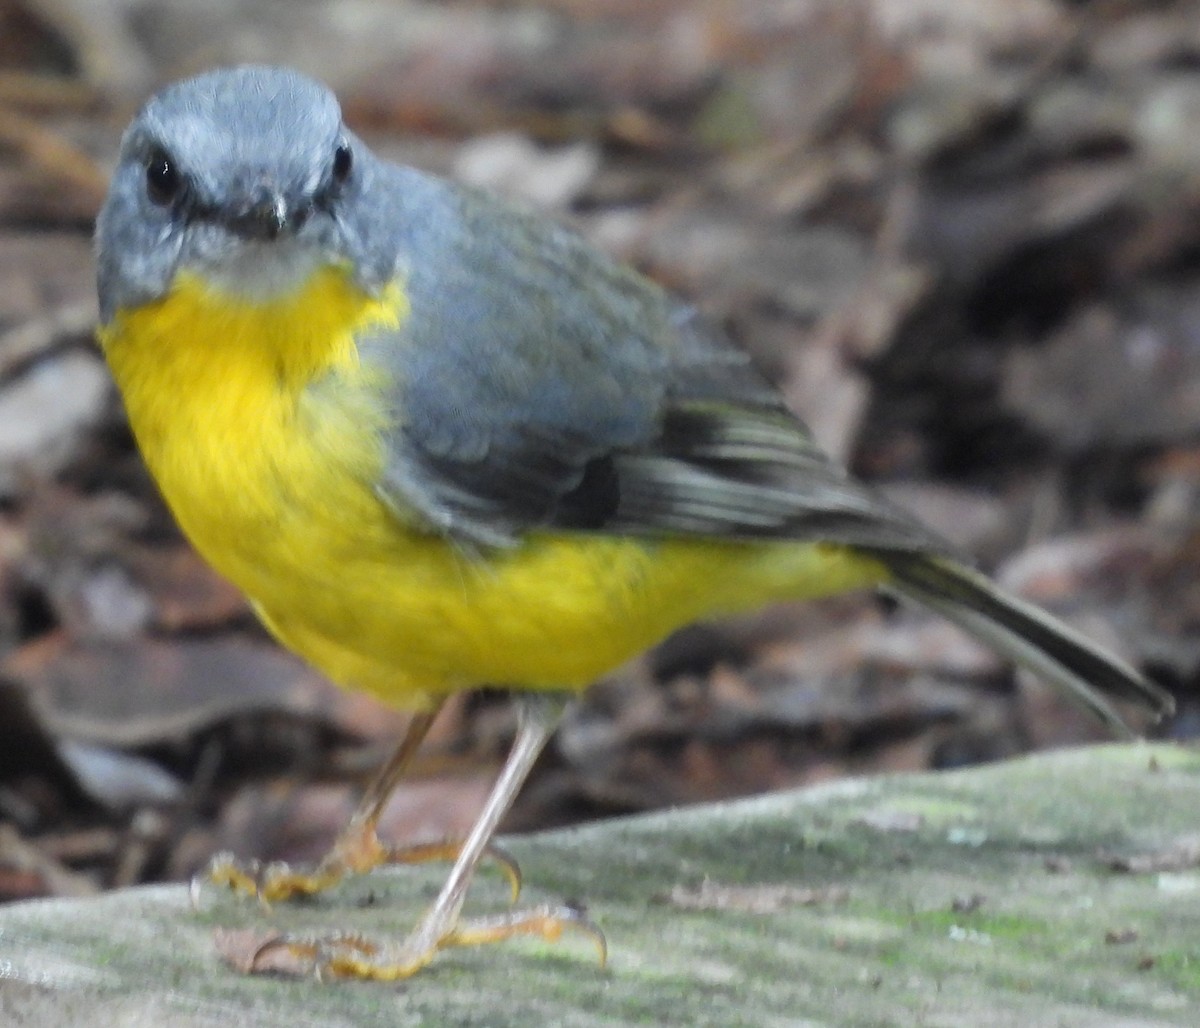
(1027,635)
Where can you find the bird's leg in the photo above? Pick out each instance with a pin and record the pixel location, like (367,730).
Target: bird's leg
(442,926)
(358,849)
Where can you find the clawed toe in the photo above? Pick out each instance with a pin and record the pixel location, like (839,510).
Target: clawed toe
(352,955)
(276,881)
(267,882)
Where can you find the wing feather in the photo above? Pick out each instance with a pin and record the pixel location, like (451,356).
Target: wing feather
(539,385)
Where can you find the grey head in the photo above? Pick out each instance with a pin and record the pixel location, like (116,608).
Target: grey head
(247,175)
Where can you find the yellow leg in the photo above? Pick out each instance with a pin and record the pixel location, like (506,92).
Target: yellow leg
(355,956)
(358,848)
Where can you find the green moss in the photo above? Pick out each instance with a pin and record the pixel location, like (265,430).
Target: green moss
(1179,967)
(994,926)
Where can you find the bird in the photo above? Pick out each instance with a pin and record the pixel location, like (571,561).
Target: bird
(443,442)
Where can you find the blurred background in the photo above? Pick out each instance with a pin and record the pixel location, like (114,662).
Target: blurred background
(962,235)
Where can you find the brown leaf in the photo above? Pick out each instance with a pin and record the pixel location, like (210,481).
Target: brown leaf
(240,948)
(150,691)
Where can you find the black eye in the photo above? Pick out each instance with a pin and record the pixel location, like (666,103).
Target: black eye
(343,161)
(163,180)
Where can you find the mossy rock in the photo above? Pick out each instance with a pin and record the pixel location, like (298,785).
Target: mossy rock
(1059,889)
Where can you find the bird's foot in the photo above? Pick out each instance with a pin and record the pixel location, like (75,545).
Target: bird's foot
(357,852)
(357,956)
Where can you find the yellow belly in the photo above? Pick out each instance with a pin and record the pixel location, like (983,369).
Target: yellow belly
(262,430)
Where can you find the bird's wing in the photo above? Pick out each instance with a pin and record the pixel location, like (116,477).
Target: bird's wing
(539,385)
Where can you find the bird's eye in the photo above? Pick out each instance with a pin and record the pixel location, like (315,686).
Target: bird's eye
(343,161)
(163,180)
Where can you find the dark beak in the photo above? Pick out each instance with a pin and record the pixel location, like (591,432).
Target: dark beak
(266,217)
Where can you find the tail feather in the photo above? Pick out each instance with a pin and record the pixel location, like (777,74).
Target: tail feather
(1028,636)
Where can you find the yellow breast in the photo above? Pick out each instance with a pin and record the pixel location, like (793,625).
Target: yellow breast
(256,419)
(264,433)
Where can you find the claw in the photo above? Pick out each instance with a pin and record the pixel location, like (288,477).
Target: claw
(352,955)
(545,921)
(265,882)
(449,851)
(275,881)
(307,956)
